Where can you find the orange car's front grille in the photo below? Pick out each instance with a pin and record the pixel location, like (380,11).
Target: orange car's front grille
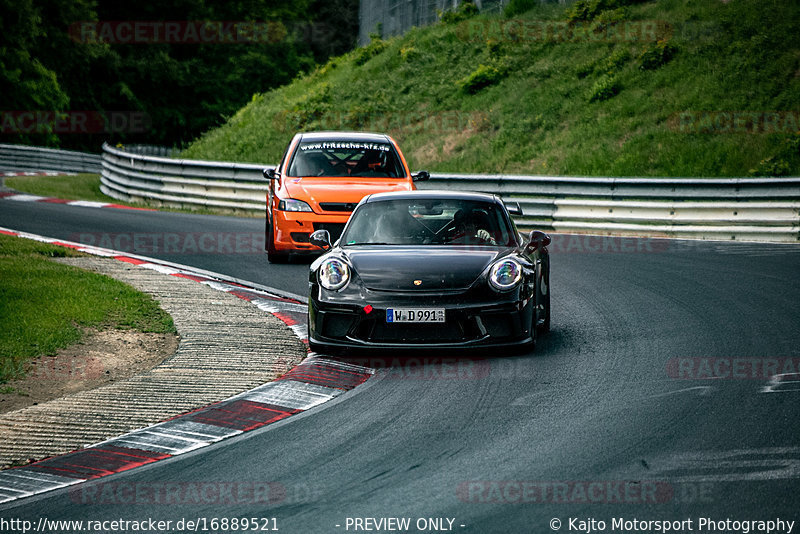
(300,237)
(338,206)
(335,229)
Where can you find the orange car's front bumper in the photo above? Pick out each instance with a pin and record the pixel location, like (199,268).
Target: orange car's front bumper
(293,228)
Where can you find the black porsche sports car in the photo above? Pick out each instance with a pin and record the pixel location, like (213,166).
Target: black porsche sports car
(429,269)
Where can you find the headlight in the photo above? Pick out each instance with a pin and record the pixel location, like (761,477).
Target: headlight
(505,274)
(333,274)
(291,204)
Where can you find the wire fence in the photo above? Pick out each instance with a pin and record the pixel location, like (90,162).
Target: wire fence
(388,18)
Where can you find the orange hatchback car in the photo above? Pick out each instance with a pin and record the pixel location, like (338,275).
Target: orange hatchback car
(321,178)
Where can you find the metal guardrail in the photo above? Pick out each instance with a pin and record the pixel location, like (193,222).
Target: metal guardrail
(762,209)
(758,209)
(152,150)
(751,209)
(183,183)
(31,158)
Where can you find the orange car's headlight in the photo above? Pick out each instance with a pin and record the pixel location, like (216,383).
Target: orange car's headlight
(291,204)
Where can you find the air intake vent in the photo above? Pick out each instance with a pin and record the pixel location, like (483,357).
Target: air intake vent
(338,206)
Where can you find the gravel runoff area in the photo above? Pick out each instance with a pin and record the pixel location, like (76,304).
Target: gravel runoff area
(227,346)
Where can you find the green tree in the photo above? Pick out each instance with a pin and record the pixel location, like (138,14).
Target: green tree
(47,63)
(28,84)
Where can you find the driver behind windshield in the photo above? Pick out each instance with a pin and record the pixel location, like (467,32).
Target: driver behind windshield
(401,223)
(470,227)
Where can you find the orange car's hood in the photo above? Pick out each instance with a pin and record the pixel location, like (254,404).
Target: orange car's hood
(315,190)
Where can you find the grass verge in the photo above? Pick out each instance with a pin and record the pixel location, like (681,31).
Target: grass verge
(45,306)
(78,187)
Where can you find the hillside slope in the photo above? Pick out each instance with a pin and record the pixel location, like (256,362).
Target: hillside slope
(603,87)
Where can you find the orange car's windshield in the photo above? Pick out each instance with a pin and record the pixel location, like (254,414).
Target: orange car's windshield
(346,158)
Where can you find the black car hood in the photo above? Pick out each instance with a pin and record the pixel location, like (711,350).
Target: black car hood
(392,268)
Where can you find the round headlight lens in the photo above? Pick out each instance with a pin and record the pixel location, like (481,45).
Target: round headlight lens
(334,274)
(505,274)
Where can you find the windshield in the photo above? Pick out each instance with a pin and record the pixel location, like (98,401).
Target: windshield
(429,222)
(346,158)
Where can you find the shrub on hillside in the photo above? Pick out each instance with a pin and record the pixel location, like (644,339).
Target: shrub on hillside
(494,47)
(313,105)
(782,163)
(771,166)
(610,64)
(604,88)
(657,55)
(409,53)
(365,53)
(589,9)
(464,11)
(517,7)
(585,10)
(614,62)
(609,18)
(483,76)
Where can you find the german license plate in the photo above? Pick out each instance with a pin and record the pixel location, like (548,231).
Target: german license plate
(415,315)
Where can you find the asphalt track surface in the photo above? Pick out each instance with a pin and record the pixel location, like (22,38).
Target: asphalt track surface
(649,400)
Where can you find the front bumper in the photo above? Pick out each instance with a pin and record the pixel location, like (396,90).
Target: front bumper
(293,228)
(466,326)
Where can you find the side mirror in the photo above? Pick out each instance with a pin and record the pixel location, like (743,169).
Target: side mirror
(514,208)
(270,174)
(537,240)
(421,176)
(321,239)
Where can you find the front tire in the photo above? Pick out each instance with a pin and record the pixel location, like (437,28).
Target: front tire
(530,346)
(545,325)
